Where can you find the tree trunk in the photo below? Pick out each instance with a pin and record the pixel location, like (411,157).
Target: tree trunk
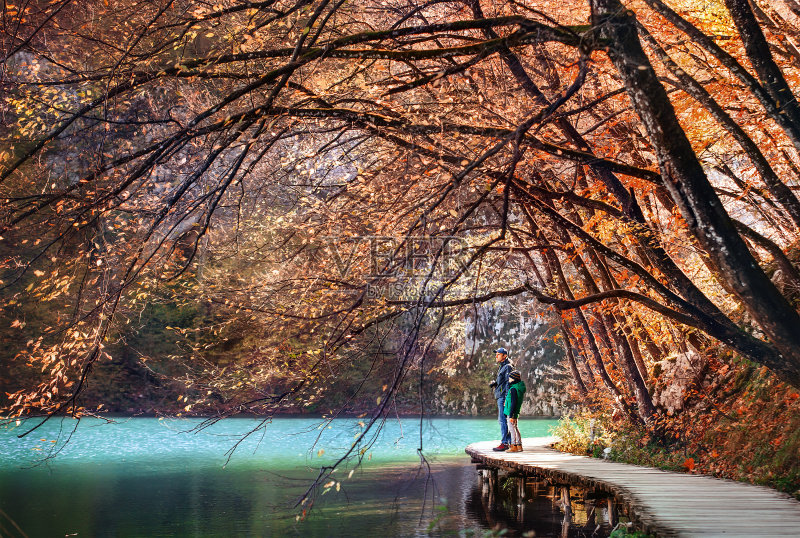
(573,365)
(689,187)
(757,48)
(782,193)
(555,275)
(791,129)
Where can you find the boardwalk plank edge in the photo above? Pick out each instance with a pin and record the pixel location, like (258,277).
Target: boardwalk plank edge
(642,494)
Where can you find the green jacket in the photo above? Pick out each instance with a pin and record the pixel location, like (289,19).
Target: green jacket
(516,391)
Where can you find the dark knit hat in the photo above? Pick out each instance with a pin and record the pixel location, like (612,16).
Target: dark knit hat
(515,375)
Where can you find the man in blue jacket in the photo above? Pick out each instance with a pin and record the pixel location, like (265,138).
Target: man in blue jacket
(500,386)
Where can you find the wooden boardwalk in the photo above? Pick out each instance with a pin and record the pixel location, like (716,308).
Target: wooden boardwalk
(659,502)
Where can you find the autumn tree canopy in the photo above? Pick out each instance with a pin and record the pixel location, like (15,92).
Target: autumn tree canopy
(335,173)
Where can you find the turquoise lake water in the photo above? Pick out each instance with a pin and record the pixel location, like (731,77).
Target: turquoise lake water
(161,477)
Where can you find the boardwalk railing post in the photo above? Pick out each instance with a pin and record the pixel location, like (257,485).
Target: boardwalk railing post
(521,499)
(591,510)
(612,513)
(567,507)
(486,483)
(493,485)
(565,524)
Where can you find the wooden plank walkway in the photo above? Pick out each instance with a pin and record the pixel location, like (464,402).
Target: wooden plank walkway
(659,502)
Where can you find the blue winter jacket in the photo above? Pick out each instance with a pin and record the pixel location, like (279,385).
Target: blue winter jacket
(502,380)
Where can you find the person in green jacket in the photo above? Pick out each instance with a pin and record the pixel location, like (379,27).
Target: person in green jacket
(516,391)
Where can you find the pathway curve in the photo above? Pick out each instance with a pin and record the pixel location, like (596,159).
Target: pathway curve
(660,502)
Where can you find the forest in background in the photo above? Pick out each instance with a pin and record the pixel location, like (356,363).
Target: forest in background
(265,205)
(146,370)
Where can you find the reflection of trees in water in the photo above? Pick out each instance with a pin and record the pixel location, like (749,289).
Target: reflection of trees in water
(523,505)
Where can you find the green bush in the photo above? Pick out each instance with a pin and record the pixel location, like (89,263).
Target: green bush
(622,531)
(581,435)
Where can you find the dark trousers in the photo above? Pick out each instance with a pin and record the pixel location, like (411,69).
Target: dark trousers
(505,436)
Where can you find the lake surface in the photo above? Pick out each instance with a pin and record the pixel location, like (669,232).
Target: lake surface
(162,477)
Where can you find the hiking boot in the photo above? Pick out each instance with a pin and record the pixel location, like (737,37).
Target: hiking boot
(515,448)
(501,447)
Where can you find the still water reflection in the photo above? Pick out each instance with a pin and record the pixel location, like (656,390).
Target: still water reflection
(145,477)
(526,506)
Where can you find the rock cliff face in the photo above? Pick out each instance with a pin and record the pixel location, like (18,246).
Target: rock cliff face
(527,333)
(675,375)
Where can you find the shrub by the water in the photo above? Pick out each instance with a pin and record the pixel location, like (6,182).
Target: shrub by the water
(748,430)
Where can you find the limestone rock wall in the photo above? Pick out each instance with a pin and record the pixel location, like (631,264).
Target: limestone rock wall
(527,333)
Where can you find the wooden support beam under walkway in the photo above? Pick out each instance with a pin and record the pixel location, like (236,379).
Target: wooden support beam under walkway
(659,502)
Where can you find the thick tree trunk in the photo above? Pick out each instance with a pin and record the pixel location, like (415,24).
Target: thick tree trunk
(791,128)
(648,248)
(695,197)
(782,193)
(791,273)
(728,333)
(637,355)
(757,48)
